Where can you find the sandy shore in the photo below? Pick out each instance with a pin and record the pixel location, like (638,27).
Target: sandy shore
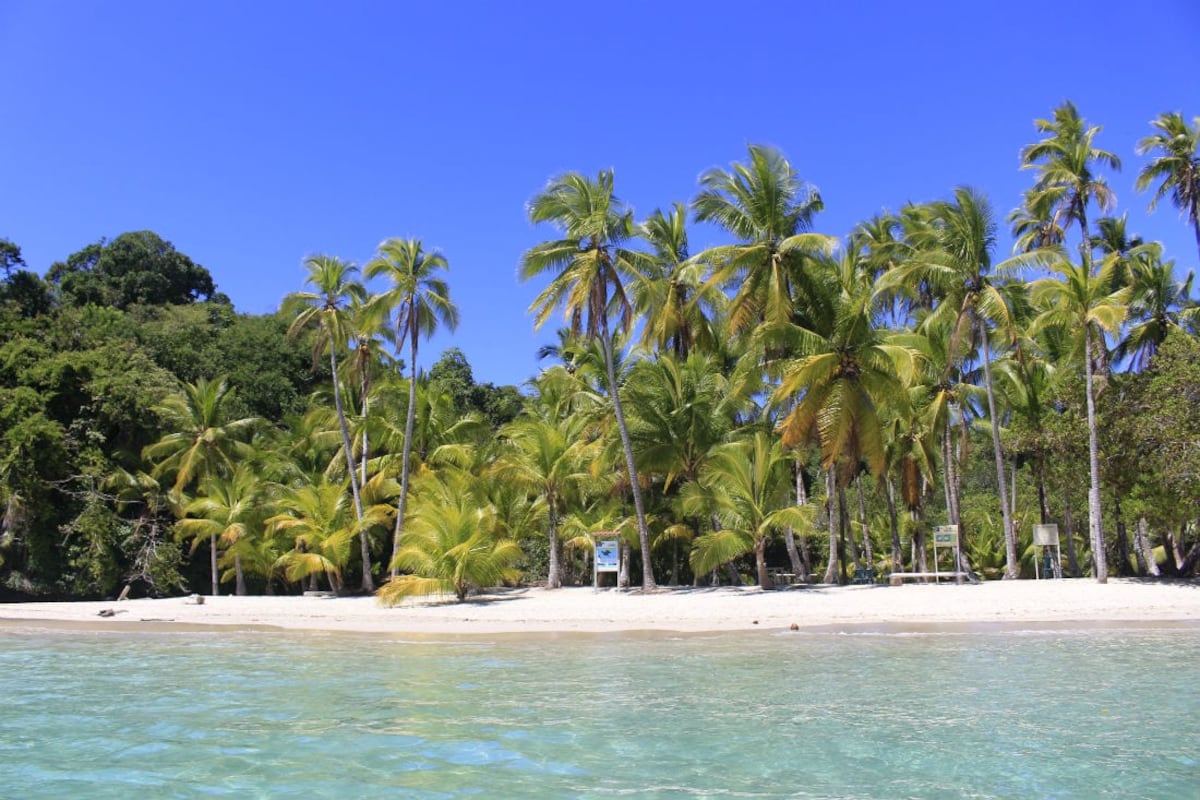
(582,610)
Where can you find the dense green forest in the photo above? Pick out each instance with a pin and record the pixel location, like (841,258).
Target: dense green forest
(789,399)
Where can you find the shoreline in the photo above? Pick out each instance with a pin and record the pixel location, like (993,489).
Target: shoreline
(998,605)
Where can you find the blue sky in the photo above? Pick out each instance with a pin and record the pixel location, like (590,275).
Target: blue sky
(251,134)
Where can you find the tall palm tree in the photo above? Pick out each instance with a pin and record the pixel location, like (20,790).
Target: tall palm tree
(1085,305)
(327,309)
(952,245)
(1066,161)
(588,265)
(668,291)
(420,297)
(767,206)
(1157,303)
(1175,166)
(370,325)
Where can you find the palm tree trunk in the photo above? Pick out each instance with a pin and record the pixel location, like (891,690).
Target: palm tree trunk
(862,518)
(241,576)
(844,535)
(831,569)
(789,536)
(362,476)
(1095,523)
(760,564)
(405,457)
(1012,565)
(368,584)
(894,522)
(554,571)
(1146,561)
(1069,524)
(216,576)
(627,445)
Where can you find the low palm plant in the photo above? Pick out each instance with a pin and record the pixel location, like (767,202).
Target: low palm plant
(449,544)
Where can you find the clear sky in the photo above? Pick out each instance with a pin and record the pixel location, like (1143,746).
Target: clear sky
(251,134)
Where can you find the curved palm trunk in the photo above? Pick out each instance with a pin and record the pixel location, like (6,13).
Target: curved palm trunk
(760,564)
(368,583)
(409,419)
(1095,523)
(789,536)
(1012,561)
(627,446)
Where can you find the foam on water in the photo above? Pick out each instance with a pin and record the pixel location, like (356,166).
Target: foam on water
(1070,713)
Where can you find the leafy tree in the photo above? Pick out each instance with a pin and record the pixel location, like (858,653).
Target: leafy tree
(135,268)
(588,265)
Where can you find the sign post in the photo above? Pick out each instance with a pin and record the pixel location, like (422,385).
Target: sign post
(1045,537)
(606,555)
(946,536)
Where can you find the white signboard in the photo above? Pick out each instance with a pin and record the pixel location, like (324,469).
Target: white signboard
(1045,535)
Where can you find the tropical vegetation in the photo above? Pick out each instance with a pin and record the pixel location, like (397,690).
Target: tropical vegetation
(788,402)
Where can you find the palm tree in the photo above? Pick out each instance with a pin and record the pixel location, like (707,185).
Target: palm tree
(769,209)
(847,369)
(588,265)
(1066,161)
(315,516)
(327,309)
(1176,165)
(1157,303)
(1084,305)
(667,292)
(546,457)
(370,325)
(747,483)
(224,514)
(451,545)
(204,442)
(421,300)
(952,244)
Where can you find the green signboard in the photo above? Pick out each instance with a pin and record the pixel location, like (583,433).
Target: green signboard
(945,536)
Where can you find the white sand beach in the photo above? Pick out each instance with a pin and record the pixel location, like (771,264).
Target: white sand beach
(684,610)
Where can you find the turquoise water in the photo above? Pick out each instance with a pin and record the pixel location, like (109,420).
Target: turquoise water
(1036,714)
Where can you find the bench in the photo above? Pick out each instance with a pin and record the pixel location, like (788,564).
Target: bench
(897,578)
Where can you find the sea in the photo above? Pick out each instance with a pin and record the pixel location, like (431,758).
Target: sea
(989,712)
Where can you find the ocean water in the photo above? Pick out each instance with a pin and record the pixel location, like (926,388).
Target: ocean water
(1087,713)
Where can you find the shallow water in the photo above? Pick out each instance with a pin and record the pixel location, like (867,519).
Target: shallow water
(1052,714)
